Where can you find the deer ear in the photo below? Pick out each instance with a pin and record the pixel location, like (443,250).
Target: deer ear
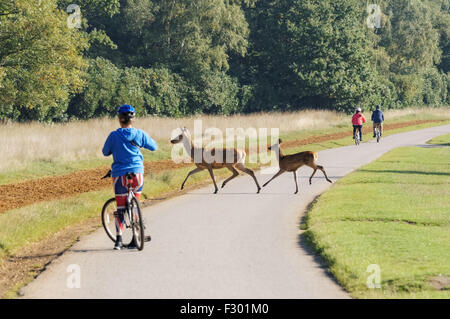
(280,141)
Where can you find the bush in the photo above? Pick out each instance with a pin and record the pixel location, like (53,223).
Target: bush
(216,93)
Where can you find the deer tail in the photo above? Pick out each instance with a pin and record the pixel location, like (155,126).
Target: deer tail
(315,156)
(241,155)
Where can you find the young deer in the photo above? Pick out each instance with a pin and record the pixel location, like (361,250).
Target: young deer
(291,163)
(237,160)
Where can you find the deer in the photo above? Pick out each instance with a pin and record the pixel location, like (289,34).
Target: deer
(291,163)
(237,156)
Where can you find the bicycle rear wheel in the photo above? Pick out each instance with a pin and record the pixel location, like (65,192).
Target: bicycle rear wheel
(137,223)
(109,215)
(357,139)
(109,212)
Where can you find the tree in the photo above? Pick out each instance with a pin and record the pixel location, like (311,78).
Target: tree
(309,54)
(189,36)
(40,60)
(411,41)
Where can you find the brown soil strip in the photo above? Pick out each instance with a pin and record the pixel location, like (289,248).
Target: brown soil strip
(56,187)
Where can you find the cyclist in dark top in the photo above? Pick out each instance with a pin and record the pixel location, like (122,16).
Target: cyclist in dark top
(124,144)
(378,119)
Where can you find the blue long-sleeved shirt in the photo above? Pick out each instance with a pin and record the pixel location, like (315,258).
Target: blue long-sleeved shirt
(127,157)
(377,116)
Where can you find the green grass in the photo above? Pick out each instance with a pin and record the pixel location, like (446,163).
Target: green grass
(394,212)
(443,140)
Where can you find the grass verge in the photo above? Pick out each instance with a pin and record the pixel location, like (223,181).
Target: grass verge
(395,213)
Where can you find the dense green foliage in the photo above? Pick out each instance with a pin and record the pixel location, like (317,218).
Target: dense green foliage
(40,60)
(179,57)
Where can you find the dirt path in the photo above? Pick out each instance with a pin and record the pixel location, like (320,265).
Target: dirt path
(56,187)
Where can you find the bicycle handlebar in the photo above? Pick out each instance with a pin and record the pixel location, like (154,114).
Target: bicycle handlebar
(107,175)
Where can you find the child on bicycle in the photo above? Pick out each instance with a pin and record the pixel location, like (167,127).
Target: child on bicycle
(358,120)
(124,144)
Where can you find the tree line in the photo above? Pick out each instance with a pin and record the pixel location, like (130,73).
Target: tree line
(182,57)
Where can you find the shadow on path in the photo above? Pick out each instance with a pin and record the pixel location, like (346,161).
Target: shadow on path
(406,172)
(434,145)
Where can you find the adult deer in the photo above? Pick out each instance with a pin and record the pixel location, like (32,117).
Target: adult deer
(291,163)
(235,157)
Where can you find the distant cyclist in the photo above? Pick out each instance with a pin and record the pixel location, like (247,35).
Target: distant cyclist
(124,144)
(358,120)
(378,119)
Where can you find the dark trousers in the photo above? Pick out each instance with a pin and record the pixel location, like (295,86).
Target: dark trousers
(380,126)
(359,127)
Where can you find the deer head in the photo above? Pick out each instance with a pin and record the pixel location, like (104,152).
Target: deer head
(185,135)
(275,146)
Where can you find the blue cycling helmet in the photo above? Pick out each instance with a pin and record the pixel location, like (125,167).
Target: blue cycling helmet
(126,109)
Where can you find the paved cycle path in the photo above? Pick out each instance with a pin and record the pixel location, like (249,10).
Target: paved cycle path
(235,244)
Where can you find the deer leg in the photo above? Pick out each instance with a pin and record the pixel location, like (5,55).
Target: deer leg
(235,173)
(275,176)
(194,171)
(315,170)
(210,170)
(296,183)
(244,169)
(324,173)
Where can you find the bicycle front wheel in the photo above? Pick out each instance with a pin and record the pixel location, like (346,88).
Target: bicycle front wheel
(137,224)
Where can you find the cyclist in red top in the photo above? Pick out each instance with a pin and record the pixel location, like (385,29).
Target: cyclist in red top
(357,120)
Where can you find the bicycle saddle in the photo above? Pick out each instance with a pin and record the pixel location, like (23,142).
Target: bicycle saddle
(130,175)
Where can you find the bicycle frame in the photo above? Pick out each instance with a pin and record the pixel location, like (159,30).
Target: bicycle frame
(130,196)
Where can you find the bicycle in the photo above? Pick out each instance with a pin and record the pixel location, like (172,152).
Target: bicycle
(377,133)
(133,229)
(357,138)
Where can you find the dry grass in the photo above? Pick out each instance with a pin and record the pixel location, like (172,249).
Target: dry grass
(442,112)
(25,143)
